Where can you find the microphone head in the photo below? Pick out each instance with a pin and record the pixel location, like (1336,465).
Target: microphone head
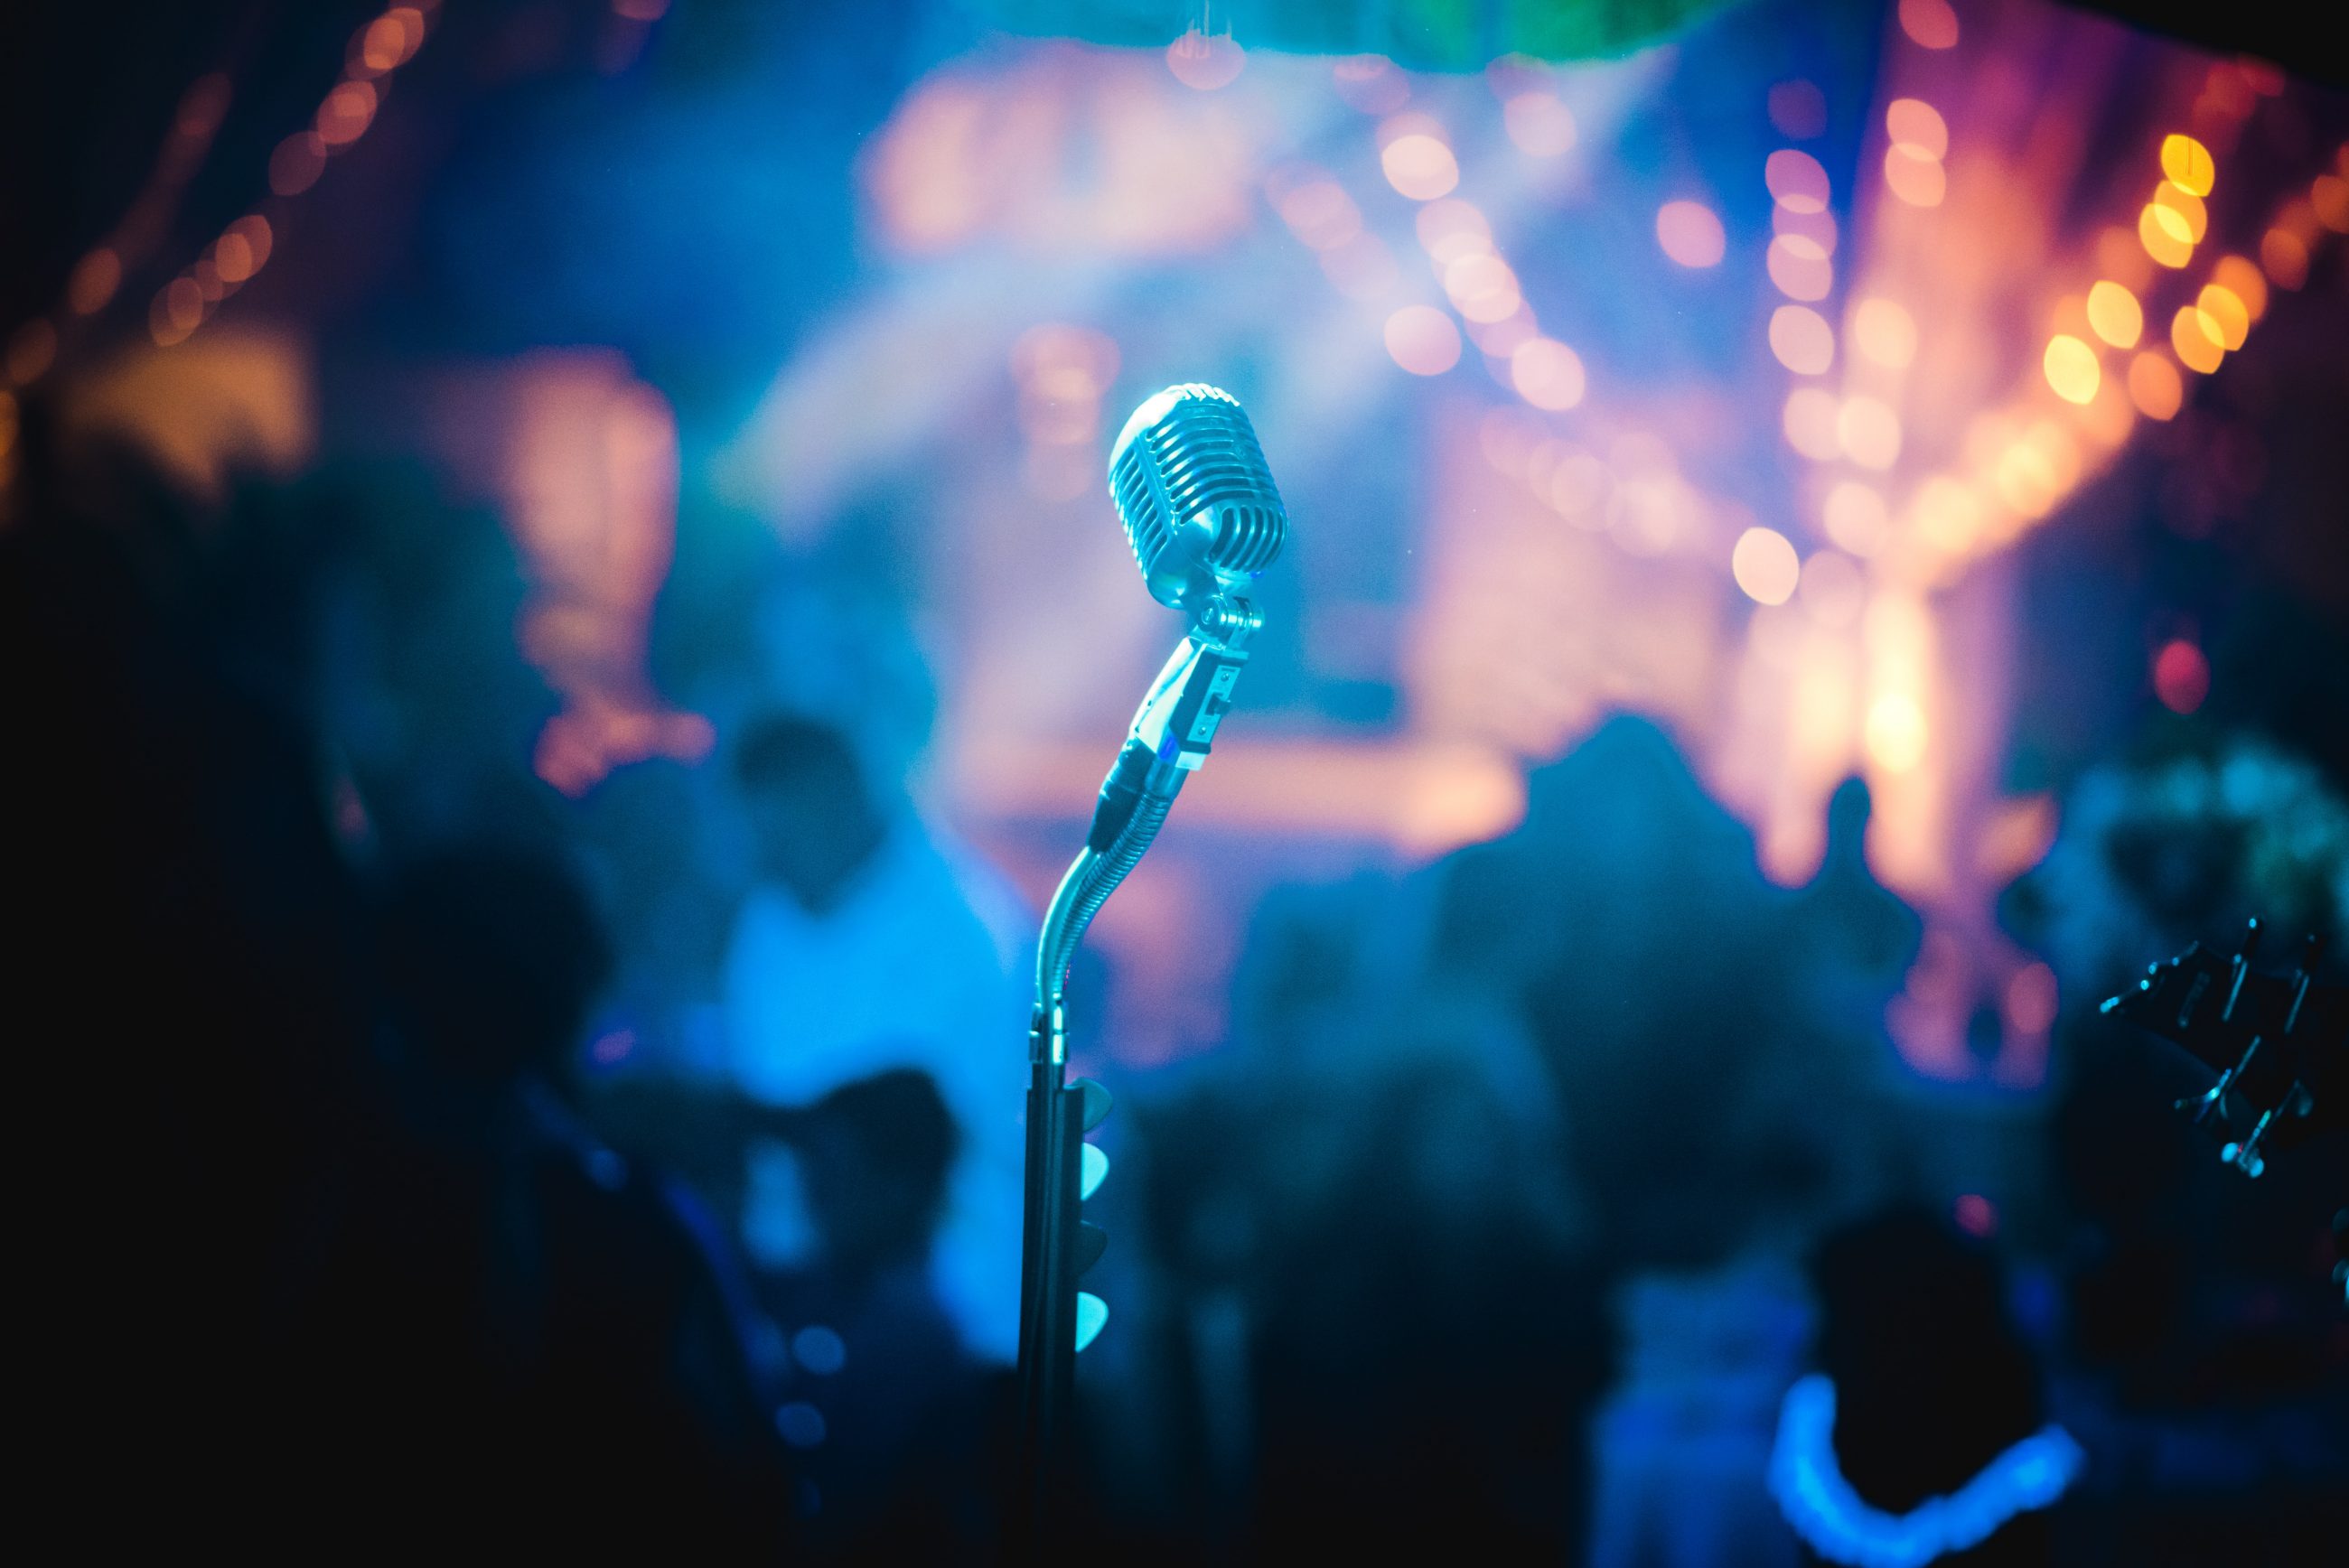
(1191,487)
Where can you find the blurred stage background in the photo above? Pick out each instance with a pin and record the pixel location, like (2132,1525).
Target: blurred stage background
(1682,408)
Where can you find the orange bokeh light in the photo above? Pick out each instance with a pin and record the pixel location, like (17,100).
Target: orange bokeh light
(1915,124)
(2188,206)
(1915,177)
(2198,340)
(94,278)
(348,110)
(2285,257)
(2189,165)
(1818,228)
(2071,368)
(2241,277)
(1855,517)
(1930,23)
(2114,315)
(1885,332)
(1869,433)
(2163,231)
(2154,386)
(2330,197)
(1809,422)
(2219,302)
(296,163)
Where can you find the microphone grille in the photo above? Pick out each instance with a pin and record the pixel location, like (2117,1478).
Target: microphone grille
(1191,486)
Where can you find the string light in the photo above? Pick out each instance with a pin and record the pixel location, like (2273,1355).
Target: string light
(344,115)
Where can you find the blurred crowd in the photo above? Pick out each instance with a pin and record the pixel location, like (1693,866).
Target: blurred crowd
(450,1162)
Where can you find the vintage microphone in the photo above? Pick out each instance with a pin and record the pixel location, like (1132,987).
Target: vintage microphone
(1200,510)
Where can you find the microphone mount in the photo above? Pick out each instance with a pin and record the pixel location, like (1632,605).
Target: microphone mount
(1203,517)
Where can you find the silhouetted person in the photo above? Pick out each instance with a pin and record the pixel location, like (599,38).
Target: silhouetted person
(566,1346)
(1423,1333)
(888,1411)
(1925,1391)
(1855,923)
(1628,918)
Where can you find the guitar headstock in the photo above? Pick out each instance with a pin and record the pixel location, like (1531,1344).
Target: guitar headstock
(2279,1043)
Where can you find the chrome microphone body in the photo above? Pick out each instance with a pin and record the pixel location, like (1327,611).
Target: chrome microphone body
(1200,510)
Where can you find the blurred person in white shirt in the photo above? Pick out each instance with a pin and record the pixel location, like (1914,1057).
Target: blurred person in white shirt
(872,940)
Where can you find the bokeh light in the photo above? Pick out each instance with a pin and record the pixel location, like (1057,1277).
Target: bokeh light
(2181,676)
(1419,166)
(2219,302)
(1798,109)
(348,110)
(1868,431)
(1539,123)
(1917,126)
(1797,181)
(1809,422)
(1915,177)
(297,162)
(1450,228)
(2114,315)
(1372,84)
(2197,340)
(1818,228)
(31,351)
(1690,235)
(1483,288)
(1423,340)
(1896,732)
(1930,23)
(94,278)
(1855,517)
(2189,165)
(2071,368)
(2194,217)
(1802,340)
(2285,256)
(1800,268)
(1204,61)
(1833,588)
(2164,235)
(2031,999)
(2328,197)
(1885,332)
(1765,565)
(2241,277)
(1546,374)
(1321,214)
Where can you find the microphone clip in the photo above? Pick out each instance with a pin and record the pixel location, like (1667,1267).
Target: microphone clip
(1177,721)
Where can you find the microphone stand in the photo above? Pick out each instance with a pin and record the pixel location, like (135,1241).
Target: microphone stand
(1169,739)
